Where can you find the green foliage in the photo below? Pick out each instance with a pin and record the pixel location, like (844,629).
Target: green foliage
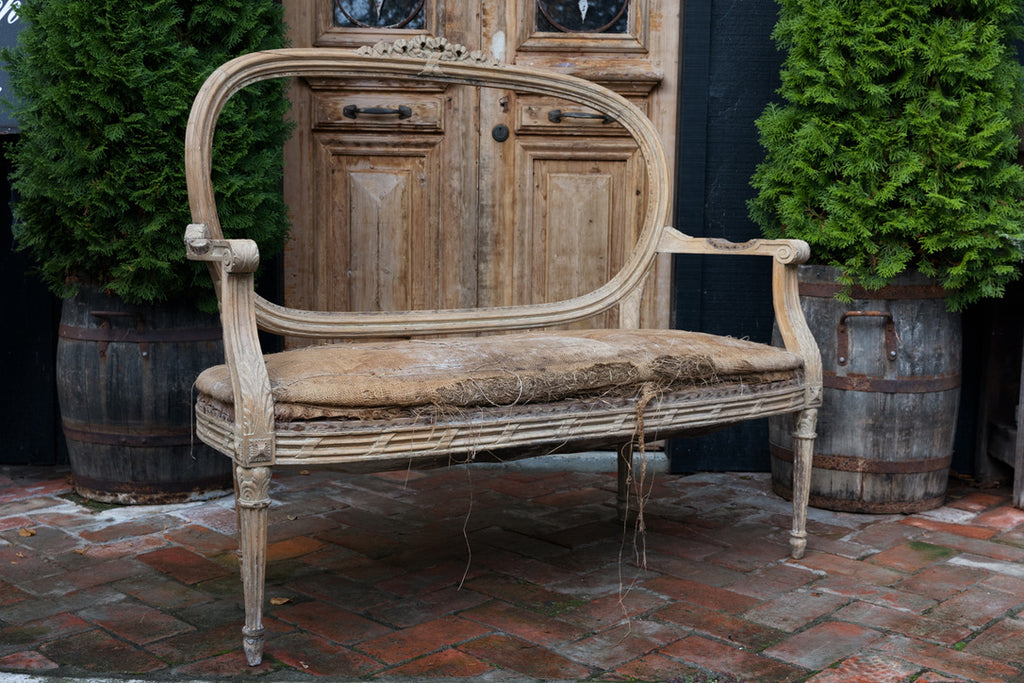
(102,94)
(895,147)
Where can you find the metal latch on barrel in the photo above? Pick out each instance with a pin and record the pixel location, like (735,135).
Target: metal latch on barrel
(843,335)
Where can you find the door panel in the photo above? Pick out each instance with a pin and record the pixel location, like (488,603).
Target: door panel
(381,227)
(476,194)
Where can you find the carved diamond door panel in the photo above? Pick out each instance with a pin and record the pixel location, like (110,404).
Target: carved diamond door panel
(381,228)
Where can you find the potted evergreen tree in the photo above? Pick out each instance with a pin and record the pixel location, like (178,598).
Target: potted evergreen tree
(101,91)
(893,154)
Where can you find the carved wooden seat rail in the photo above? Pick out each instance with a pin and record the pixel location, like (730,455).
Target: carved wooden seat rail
(426,388)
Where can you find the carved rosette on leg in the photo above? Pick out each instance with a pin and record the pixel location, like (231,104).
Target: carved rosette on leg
(803,452)
(252,502)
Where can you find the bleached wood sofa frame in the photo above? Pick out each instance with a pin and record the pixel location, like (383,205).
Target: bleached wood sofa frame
(256,443)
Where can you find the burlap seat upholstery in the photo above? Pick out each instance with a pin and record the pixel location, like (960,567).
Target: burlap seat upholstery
(351,379)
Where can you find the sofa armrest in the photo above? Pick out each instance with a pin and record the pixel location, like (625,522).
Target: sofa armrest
(787,255)
(254,404)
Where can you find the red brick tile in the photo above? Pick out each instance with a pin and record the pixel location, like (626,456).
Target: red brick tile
(1004,583)
(977,501)
(140,624)
(862,571)
(299,525)
(1003,641)
(573,497)
(933,677)
(884,596)
(966,530)
(976,606)
(947,660)
(162,592)
(402,477)
(524,658)
(885,535)
(528,625)
(906,623)
(125,548)
(711,597)
(366,542)
(409,611)
(28,660)
(311,655)
(96,652)
(1002,519)
(941,581)
(327,587)
(330,622)
(794,610)
(912,556)
(823,644)
(422,639)
(750,556)
(185,566)
(611,609)
(129,529)
(614,647)
(201,539)
(11,594)
(292,547)
(43,630)
(694,549)
(528,595)
(772,581)
(657,667)
(444,664)
(223,520)
(93,575)
(197,645)
(867,668)
(16,522)
(992,549)
(725,627)
(725,659)
(228,665)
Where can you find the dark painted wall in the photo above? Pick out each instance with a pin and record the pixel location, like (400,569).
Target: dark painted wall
(730,71)
(28,403)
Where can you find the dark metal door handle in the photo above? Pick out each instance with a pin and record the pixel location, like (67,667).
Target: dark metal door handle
(352,111)
(556,116)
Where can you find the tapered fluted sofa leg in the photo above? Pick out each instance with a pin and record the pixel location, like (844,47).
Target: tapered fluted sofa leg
(252,501)
(803,452)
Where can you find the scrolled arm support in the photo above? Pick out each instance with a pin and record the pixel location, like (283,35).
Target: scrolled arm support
(236,256)
(789,316)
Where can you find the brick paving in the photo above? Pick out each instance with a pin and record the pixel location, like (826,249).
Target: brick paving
(511,574)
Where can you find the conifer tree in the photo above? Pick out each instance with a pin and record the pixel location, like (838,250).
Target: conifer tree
(102,91)
(895,145)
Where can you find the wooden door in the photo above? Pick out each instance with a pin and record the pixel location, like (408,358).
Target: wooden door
(481,197)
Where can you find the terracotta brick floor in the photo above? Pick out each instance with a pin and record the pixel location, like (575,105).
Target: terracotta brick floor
(491,574)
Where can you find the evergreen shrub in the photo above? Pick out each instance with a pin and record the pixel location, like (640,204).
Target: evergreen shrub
(102,91)
(895,147)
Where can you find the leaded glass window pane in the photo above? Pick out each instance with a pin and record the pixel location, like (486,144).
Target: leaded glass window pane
(379,13)
(583,16)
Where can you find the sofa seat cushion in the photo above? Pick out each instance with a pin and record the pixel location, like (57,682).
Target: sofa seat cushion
(529,367)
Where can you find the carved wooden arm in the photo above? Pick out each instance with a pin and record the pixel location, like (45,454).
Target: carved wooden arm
(254,404)
(787,255)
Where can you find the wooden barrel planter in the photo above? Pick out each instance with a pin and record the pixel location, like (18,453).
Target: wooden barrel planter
(891,361)
(124,382)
